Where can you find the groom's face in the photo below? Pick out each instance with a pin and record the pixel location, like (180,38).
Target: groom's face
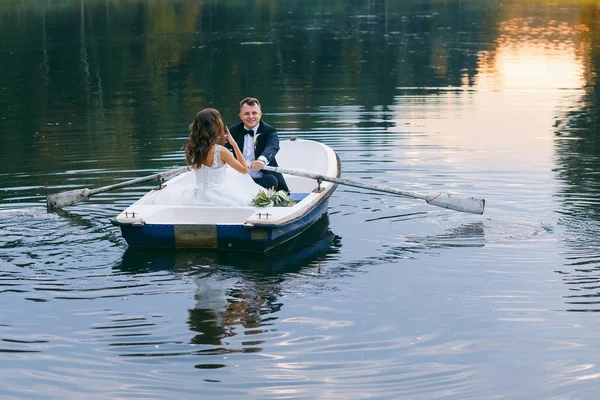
(250,115)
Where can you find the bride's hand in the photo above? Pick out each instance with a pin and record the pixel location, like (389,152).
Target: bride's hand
(228,137)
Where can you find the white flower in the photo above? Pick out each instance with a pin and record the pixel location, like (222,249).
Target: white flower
(256,138)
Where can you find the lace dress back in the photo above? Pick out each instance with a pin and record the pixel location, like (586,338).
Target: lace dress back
(213,175)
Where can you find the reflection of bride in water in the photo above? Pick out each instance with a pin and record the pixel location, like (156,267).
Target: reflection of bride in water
(225,304)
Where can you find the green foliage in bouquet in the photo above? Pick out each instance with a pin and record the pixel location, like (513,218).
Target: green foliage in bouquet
(271,197)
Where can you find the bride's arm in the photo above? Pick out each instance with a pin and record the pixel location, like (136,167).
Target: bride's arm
(238,162)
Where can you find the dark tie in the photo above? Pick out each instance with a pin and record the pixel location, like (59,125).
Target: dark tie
(249,132)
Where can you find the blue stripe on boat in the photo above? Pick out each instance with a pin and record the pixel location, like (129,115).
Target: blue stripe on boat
(149,235)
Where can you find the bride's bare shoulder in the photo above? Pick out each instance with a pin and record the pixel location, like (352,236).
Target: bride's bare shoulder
(210,156)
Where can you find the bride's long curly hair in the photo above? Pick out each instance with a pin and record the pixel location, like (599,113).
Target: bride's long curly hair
(205,130)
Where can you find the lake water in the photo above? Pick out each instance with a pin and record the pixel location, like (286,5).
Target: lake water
(392,298)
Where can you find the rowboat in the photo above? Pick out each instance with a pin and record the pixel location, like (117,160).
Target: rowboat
(247,228)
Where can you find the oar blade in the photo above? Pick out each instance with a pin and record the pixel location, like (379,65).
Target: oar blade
(63,199)
(455,202)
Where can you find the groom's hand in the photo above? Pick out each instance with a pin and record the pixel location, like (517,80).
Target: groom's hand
(257,164)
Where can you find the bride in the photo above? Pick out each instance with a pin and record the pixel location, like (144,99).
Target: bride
(220,178)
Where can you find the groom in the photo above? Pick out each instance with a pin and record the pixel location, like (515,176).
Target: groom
(259,143)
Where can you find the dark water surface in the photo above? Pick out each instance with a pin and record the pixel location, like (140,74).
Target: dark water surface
(392,298)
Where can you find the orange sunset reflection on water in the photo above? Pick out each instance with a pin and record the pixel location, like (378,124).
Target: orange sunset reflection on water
(536,73)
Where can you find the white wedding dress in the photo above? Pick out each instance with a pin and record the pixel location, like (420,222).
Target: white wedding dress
(217,185)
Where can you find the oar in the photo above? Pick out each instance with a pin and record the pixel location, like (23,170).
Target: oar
(451,201)
(63,199)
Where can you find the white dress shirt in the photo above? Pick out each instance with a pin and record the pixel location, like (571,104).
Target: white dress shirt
(248,152)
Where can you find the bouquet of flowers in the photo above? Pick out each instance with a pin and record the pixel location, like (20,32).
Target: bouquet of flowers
(273,198)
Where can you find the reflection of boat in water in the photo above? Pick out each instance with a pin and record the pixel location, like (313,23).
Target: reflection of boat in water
(235,293)
(314,244)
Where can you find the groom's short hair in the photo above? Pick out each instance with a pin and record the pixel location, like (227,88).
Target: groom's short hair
(250,101)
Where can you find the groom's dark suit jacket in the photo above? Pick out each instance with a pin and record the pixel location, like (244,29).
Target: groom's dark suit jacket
(266,144)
